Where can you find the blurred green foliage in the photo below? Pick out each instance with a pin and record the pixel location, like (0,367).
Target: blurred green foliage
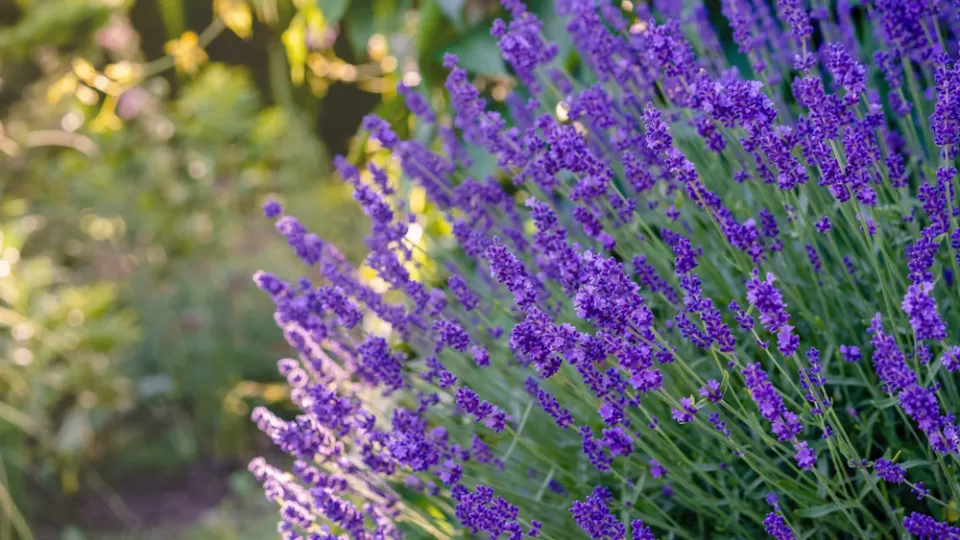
(129,228)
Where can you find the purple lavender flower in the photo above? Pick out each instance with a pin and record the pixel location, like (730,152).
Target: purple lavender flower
(640,532)
(787,340)
(543,343)
(657,470)
(711,391)
(451,334)
(719,424)
(922,310)
(480,511)
(416,103)
(686,412)
(945,120)
(924,526)
(777,527)
(951,359)
(850,353)
(823,225)
(768,301)
(379,365)
(745,321)
(467,298)
(618,441)
(379,129)
(595,453)
(272,209)
(814,258)
(888,359)
(595,518)
(507,269)
(649,278)
(522,44)
(611,300)
(551,240)
(919,490)
(551,406)
(480,356)
(848,73)
(921,405)
(889,471)
(805,457)
(784,423)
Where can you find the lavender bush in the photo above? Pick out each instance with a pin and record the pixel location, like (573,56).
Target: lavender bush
(693,301)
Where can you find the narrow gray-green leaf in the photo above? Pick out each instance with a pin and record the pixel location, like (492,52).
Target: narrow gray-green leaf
(478,53)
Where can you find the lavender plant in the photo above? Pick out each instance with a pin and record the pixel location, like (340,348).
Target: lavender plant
(692,302)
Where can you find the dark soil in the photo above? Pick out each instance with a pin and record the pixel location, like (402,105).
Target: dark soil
(143,500)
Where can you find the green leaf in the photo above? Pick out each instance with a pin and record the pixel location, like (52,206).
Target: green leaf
(388,15)
(872,481)
(453,9)
(824,509)
(333,10)
(242,484)
(52,23)
(71,532)
(431,21)
(171,12)
(359,23)
(478,53)
(74,432)
(848,381)
(483,163)
(884,403)
(554,26)
(154,385)
(363,18)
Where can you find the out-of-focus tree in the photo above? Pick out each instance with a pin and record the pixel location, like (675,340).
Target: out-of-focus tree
(127,236)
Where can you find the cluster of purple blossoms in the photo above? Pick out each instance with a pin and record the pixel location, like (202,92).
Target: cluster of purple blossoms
(888,360)
(686,412)
(951,359)
(777,527)
(763,296)
(595,518)
(481,410)
(922,310)
(482,511)
(918,402)
(784,423)
(889,471)
(850,353)
(626,166)
(925,527)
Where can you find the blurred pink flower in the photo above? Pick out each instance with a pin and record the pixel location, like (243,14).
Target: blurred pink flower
(132,102)
(116,36)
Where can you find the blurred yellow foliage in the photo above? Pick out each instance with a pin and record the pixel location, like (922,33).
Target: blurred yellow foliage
(186,51)
(107,119)
(294,38)
(64,87)
(234,402)
(123,72)
(377,47)
(418,199)
(84,70)
(236,15)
